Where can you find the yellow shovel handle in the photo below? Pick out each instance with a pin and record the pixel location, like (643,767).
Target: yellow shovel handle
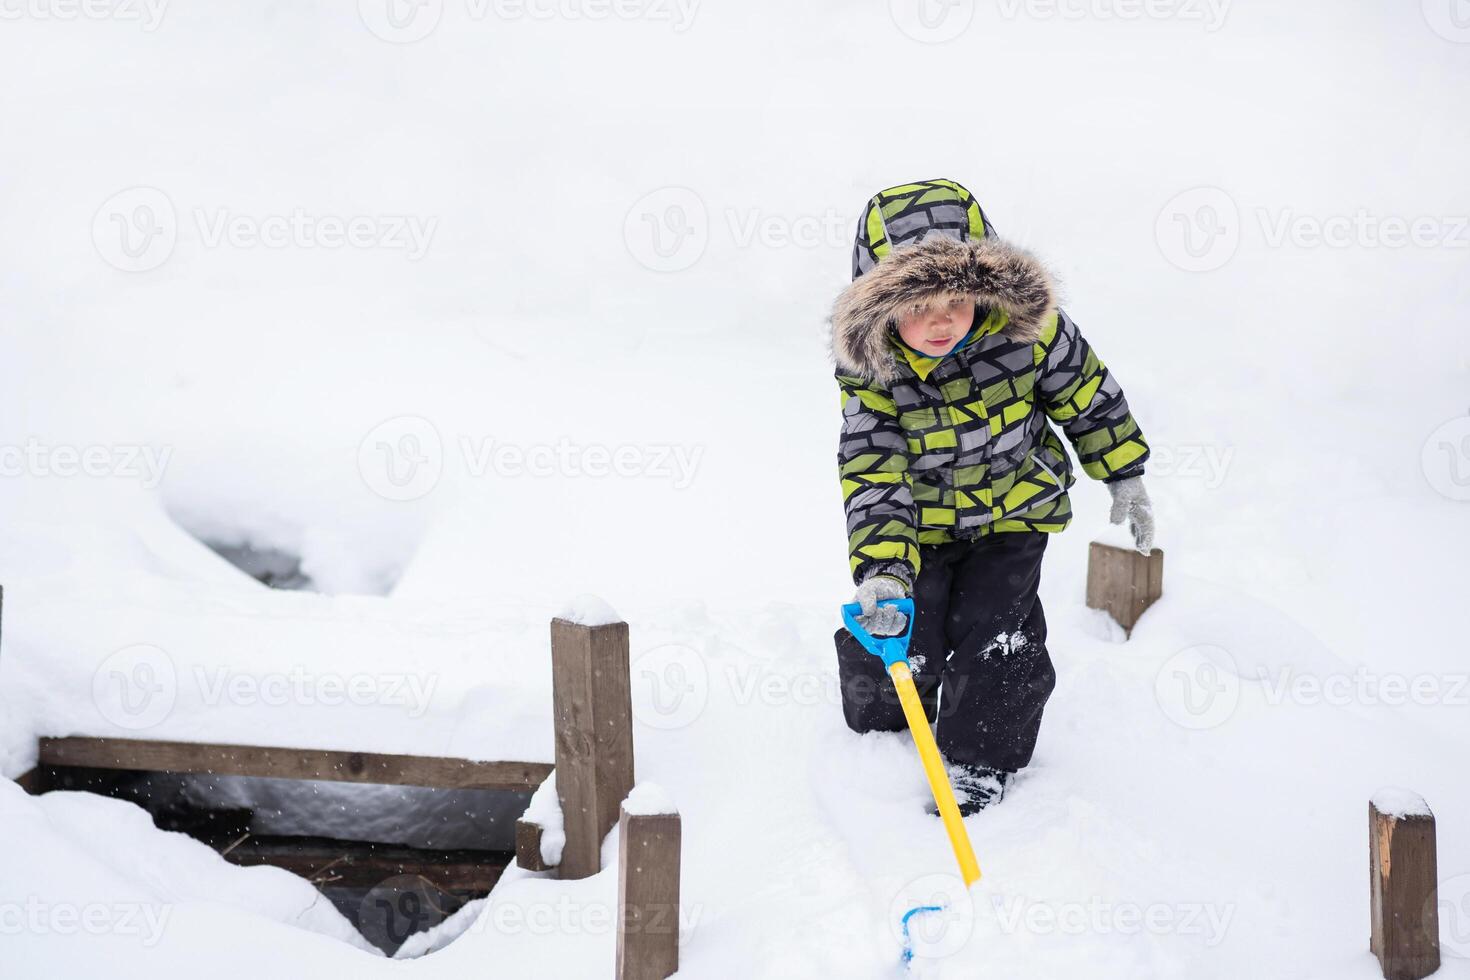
(949,811)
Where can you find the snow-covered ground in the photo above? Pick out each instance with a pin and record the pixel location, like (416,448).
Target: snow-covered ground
(578,348)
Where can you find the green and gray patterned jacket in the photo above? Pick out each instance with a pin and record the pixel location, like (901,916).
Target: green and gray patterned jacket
(935,449)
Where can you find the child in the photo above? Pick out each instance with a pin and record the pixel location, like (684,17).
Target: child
(952,358)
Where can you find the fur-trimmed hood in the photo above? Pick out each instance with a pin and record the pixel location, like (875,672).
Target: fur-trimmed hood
(938,269)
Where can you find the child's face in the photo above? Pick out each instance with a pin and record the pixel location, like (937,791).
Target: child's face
(938,328)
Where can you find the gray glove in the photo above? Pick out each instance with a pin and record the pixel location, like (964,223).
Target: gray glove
(1131,503)
(881,620)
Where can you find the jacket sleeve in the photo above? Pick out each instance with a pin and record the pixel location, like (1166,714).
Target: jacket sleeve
(1080,395)
(877,492)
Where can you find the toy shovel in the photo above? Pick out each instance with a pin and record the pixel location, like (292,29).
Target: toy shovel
(893,651)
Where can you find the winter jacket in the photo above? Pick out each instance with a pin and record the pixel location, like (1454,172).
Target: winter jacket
(935,449)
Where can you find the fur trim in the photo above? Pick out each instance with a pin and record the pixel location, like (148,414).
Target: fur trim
(938,269)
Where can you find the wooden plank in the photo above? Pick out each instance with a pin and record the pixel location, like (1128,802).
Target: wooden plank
(528,846)
(363,864)
(648,896)
(1122,582)
(1403,882)
(29,781)
(285,763)
(593,714)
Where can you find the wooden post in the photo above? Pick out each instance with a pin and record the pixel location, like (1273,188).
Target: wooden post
(1122,582)
(1403,880)
(593,708)
(648,896)
(528,846)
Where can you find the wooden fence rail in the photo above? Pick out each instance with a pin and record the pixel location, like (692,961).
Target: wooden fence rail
(151,755)
(593,726)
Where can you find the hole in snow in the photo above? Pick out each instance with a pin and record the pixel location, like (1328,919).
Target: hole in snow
(328,559)
(395,860)
(276,568)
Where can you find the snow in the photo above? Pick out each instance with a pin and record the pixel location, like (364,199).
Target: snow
(648,799)
(1119,536)
(97,867)
(589,610)
(1394,801)
(545,809)
(438,440)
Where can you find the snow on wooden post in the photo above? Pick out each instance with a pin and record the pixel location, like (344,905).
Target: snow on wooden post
(540,835)
(1122,582)
(593,709)
(649,836)
(1403,877)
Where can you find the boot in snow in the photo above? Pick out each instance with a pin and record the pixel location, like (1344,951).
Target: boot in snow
(975,788)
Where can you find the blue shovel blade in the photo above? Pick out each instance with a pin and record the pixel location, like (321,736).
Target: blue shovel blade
(908,941)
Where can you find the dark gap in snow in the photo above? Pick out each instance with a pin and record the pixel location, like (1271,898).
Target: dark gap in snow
(307,558)
(273,567)
(395,860)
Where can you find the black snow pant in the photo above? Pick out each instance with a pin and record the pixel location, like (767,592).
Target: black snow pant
(978,653)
